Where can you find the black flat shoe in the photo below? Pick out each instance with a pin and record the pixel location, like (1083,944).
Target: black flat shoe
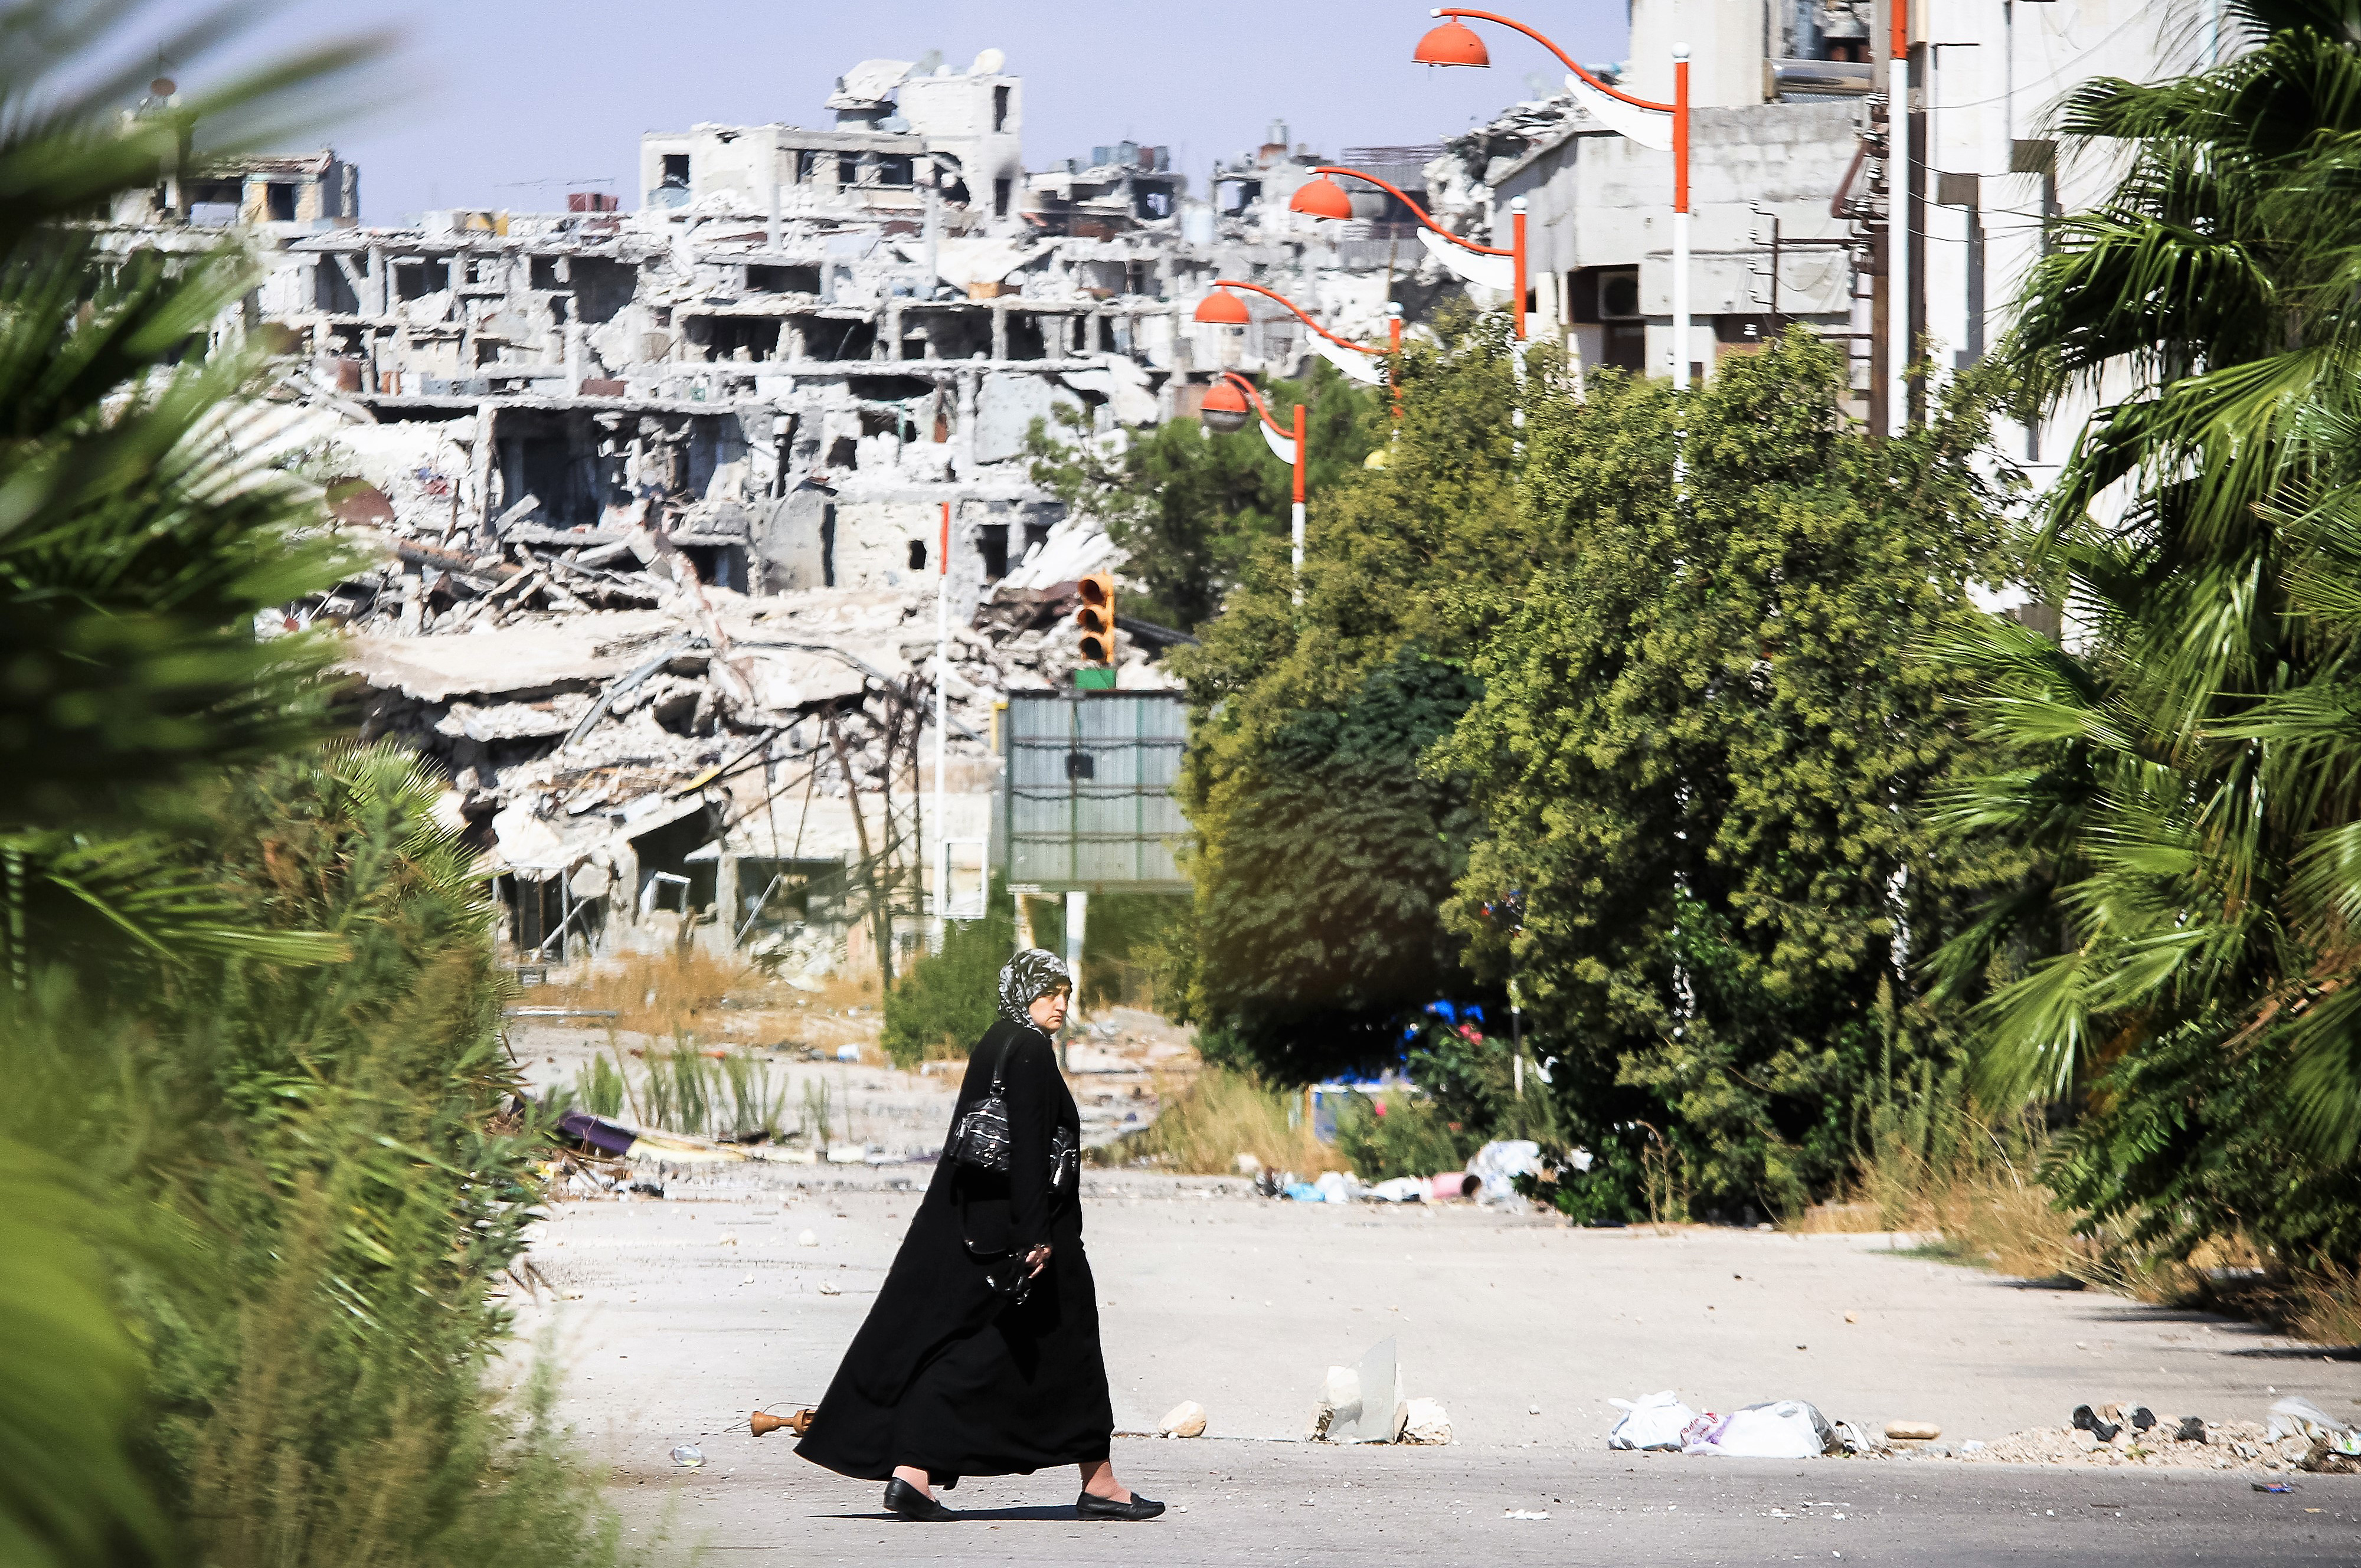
(906,1501)
(1089,1507)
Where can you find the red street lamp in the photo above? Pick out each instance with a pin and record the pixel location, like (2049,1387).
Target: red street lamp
(1229,403)
(1665,126)
(1217,308)
(1323,198)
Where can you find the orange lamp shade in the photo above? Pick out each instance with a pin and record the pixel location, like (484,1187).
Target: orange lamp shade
(1224,408)
(1222,307)
(1452,44)
(1320,198)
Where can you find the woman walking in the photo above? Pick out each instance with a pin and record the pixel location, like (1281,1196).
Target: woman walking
(981,1354)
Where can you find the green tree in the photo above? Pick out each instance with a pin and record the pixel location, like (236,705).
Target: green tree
(1323,854)
(2183,768)
(1703,752)
(1189,506)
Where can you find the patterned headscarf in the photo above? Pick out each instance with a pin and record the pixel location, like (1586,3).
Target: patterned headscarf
(1032,974)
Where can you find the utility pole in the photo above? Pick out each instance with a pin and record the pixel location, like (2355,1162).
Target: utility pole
(1902,262)
(943,864)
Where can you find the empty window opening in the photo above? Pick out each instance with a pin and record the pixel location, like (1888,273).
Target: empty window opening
(1001,192)
(827,546)
(414,279)
(675,172)
(917,555)
(848,168)
(843,453)
(782,280)
(1036,535)
(897,170)
(842,340)
(1000,96)
(992,545)
(280,202)
(807,167)
(1026,338)
(544,273)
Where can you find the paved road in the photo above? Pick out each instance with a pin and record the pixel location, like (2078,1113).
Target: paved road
(1284,1504)
(675,1317)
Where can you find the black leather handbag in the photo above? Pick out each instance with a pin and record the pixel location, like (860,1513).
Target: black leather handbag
(981,1139)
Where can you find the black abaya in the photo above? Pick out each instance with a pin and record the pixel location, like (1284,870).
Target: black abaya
(939,1377)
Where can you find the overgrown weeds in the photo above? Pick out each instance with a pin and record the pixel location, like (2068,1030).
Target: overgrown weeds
(323,1173)
(1219,1115)
(674,995)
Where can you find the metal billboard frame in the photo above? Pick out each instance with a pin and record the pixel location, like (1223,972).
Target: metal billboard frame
(1087,801)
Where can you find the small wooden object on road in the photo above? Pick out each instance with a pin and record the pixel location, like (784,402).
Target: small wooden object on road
(795,1423)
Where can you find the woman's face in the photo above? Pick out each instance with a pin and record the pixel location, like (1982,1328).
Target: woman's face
(1049,1011)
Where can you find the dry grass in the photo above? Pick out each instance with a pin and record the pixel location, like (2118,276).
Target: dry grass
(679,997)
(674,994)
(1204,1126)
(1940,1168)
(2324,1306)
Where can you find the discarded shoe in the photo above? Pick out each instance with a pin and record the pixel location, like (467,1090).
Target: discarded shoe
(1089,1507)
(2089,1420)
(906,1501)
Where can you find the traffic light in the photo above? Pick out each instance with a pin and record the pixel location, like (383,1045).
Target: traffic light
(1096,617)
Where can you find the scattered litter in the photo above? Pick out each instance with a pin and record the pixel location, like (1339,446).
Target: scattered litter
(1363,1403)
(807,1238)
(2296,1415)
(688,1456)
(2087,1419)
(830,1288)
(1654,1423)
(1186,1418)
(762,1423)
(1497,1165)
(1454,1185)
(1524,1513)
(1338,1186)
(1427,1423)
(1398,1189)
(2192,1430)
(1781,1428)
(847,1053)
(1913,1431)
(2273,1486)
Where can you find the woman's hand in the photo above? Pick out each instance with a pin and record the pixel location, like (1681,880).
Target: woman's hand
(1037,1260)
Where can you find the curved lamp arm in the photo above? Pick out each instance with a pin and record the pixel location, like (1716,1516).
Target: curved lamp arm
(1254,396)
(1563,59)
(1307,320)
(1416,210)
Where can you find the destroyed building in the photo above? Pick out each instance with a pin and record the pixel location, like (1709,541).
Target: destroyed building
(1789,182)
(666,496)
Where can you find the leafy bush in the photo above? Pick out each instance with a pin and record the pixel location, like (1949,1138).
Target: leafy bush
(327,1177)
(1400,1134)
(947,1000)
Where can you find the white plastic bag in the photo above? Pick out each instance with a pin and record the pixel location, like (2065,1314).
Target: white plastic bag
(1654,1423)
(2296,1415)
(1338,1186)
(1497,1165)
(1784,1429)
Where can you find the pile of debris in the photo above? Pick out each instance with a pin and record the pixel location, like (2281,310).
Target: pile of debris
(585,687)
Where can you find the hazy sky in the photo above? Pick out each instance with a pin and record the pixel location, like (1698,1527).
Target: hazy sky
(505,104)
